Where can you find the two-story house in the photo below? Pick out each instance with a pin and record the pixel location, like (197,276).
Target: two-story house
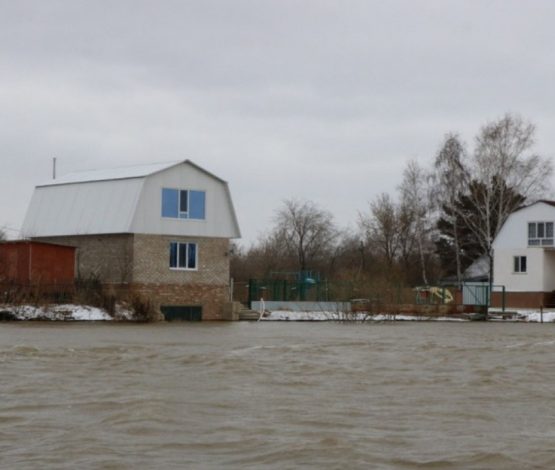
(161,230)
(524,256)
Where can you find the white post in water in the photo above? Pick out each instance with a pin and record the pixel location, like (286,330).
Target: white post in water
(54,168)
(262,308)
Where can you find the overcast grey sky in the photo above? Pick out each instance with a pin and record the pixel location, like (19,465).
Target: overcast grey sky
(325,100)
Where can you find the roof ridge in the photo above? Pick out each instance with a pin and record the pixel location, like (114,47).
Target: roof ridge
(113,173)
(123,167)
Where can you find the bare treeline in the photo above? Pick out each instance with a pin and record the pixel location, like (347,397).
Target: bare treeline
(440,219)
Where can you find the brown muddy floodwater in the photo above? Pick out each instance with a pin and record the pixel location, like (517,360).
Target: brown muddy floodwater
(277,395)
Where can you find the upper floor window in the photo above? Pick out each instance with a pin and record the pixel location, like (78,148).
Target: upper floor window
(183,255)
(540,233)
(183,203)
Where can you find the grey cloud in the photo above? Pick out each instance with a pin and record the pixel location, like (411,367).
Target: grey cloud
(318,99)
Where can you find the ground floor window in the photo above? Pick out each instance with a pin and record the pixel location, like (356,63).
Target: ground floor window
(519,264)
(183,255)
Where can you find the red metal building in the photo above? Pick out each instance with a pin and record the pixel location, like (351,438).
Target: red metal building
(36,263)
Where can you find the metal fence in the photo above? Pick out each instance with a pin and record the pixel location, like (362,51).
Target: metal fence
(481,293)
(471,294)
(325,291)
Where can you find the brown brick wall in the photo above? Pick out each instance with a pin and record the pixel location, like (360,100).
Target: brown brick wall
(211,298)
(142,262)
(151,256)
(207,286)
(108,257)
(522,299)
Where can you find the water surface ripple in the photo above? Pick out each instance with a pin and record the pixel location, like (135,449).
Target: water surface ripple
(277,396)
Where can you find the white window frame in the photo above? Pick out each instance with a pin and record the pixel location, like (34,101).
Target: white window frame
(180,246)
(544,240)
(183,214)
(517,263)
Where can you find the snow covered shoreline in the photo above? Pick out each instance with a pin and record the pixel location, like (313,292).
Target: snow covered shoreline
(70,312)
(520,315)
(288,315)
(62,312)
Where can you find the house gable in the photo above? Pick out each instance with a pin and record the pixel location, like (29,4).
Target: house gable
(524,256)
(210,214)
(108,202)
(514,233)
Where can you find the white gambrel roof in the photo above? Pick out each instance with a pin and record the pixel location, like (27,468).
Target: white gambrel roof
(127,200)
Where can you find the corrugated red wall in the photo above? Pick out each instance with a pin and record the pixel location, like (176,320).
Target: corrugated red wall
(29,262)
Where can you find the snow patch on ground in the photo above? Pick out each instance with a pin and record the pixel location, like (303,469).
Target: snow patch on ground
(288,315)
(528,315)
(523,315)
(64,312)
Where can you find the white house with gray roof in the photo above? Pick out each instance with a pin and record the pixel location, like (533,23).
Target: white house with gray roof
(162,230)
(524,256)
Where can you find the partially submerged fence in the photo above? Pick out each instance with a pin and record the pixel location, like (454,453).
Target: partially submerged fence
(321,291)
(280,290)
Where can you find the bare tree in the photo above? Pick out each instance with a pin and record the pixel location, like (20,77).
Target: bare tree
(503,167)
(450,177)
(306,230)
(415,198)
(405,229)
(380,227)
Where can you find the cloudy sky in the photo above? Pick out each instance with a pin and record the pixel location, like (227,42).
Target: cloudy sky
(316,99)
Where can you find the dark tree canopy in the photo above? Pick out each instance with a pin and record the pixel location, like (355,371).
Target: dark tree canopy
(466,208)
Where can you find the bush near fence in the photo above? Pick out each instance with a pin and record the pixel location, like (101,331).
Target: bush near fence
(83,292)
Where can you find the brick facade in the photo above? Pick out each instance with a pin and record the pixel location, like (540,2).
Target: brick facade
(141,263)
(211,298)
(151,261)
(207,286)
(108,257)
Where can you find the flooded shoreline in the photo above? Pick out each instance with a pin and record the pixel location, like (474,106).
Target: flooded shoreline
(80,313)
(276,395)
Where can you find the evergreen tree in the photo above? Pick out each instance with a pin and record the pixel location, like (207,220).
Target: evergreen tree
(470,206)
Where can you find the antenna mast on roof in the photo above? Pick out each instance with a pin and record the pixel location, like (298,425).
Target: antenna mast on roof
(54,168)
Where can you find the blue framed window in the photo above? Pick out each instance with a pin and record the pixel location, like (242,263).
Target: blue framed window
(183,204)
(183,256)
